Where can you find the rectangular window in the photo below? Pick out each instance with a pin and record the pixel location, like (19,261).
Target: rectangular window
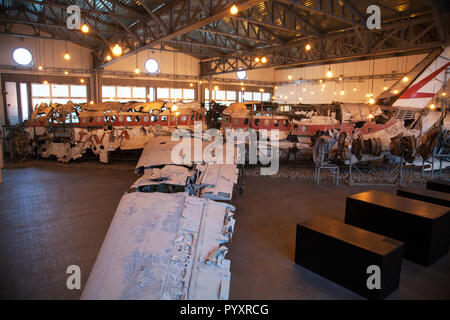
(176,93)
(151,94)
(57,93)
(162,93)
(77,91)
(123,92)
(24,100)
(231,95)
(40,90)
(257,96)
(59,90)
(108,93)
(248,96)
(220,95)
(139,92)
(189,94)
(266,96)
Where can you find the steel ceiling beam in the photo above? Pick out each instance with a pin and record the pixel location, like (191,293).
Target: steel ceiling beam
(195,22)
(410,35)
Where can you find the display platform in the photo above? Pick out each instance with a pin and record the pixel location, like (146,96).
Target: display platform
(421,194)
(423,227)
(441,185)
(343,253)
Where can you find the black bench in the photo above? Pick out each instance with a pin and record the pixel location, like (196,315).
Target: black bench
(342,253)
(423,227)
(441,185)
(431,196)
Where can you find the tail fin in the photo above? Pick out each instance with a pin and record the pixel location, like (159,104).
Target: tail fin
(419,93)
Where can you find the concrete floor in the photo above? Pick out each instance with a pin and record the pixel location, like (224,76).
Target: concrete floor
(51,218)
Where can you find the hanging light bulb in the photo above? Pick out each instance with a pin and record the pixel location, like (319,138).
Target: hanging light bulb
(191,84)
(137,71)
(304,89)
(385,88)
(67,56)
(329,73)
(292,92)
(216,88)
(66,72)
(264,60)
(174,108)
(117,50)
(108,58)
(84,28)
(45,82)
(308,47)
(432,106)
(405,79)
(322,89)
(242,89)
(354,89)
(277,88)
(82,80)
(323,86)
(371,101)
(370,116)
(257,59)
(289,77)
(91,102)
(40,68)
(234,9)
(395,91)
(342,92)
(444,94)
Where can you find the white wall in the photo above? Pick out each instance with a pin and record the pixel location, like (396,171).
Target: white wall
(290,93)
(266,75)
(169,63)
(46,52)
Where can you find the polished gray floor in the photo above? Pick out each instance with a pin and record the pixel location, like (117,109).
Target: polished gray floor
(51,218)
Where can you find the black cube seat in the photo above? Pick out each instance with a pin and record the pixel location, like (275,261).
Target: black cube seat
(343,253)
(421,194)
(423,227)
(441,185)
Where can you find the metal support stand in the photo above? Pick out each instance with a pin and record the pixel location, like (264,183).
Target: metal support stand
(352,166)
(334,170)
(440,156)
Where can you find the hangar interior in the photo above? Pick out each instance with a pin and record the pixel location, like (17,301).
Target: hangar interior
(342,104)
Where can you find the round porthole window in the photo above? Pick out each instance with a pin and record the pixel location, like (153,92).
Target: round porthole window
(22,56)
(241,74)
(151,65)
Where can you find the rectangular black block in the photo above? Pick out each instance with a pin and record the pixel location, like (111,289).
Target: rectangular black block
(342,254)
(441,185)
(421,194)
(423,227)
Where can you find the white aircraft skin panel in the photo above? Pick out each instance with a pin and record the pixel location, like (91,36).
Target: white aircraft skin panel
(176,175)
(156,248)
(421,91)
(133,258)
(220,180)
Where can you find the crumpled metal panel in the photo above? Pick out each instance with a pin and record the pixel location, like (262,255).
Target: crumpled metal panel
(175,175)
(163,246)
(219,181)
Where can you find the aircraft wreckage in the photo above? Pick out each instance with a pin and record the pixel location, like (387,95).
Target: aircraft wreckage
(168,240)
